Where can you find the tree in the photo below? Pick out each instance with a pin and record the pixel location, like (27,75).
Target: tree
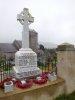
(42,47)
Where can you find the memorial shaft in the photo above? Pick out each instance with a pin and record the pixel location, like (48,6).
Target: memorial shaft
(25,35)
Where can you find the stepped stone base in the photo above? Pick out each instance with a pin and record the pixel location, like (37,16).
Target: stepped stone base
(28,72)
(25,64)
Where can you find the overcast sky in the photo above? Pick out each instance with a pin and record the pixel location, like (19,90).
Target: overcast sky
(54,20)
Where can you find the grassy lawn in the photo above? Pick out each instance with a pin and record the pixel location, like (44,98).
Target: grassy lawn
(5,68)
(43,67)
(47,68)
(68,97)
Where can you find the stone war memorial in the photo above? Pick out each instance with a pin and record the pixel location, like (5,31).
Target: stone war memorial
(25,58)
(27,80)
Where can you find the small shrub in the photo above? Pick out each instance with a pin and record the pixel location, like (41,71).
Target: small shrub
(61,97)
(68,97)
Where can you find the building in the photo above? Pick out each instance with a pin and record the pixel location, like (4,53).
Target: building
(33,41)
(8,49)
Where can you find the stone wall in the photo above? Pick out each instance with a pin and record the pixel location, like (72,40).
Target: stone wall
(48,91)
(7,56)
(33,40)
(66,68)
(10,55)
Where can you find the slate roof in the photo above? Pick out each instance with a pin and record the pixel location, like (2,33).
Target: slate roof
(17,44)
(7,47)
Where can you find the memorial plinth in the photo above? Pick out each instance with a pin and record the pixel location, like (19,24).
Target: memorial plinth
(25,63)
(25,58)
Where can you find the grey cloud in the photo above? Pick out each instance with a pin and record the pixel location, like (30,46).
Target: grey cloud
(54,19)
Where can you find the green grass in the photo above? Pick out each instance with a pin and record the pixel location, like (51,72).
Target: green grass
(43,67)
(61,97)
(47,68)
(5,69)
(68,97)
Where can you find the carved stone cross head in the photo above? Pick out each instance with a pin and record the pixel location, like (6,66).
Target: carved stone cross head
(25,16)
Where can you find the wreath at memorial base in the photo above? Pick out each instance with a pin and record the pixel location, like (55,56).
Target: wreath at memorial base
(44,74)
(42,81)
(6,80)
(28,84)
(2,85)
